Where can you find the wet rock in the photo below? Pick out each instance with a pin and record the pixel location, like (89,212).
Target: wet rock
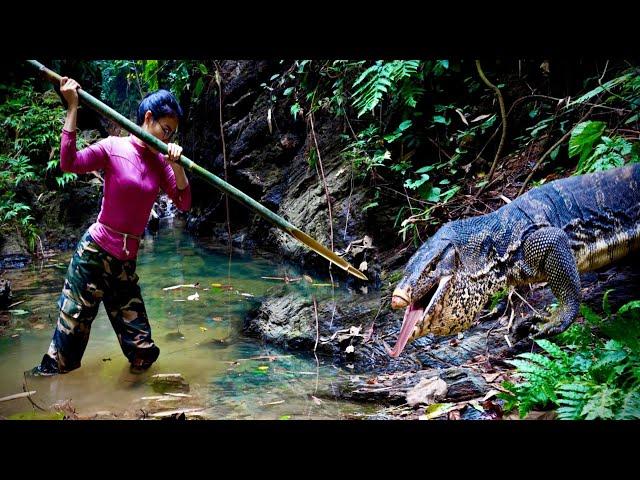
(169,382)
(12,247)
(15,260)
(5,293)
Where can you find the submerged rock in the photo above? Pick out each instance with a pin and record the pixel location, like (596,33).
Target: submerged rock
(169,382)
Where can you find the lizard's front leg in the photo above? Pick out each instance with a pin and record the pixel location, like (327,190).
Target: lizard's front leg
(548,251)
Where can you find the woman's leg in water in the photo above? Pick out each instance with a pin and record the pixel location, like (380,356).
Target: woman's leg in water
(81,296)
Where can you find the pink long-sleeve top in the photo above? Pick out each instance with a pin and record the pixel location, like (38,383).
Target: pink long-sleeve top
(133,177)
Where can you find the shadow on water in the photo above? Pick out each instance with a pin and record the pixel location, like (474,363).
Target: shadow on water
(229,376)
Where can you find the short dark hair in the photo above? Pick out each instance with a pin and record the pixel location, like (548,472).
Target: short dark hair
(161,103)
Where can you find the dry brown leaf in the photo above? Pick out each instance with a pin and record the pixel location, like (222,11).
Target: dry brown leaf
(454,415)
(428,390)
(491,377)
(490,393)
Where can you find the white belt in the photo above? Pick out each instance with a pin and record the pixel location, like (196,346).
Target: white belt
(124,235)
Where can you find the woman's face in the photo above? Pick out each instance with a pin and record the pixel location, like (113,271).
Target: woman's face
(163,128)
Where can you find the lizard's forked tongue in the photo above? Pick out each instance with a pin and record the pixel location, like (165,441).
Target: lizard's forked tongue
(412,315)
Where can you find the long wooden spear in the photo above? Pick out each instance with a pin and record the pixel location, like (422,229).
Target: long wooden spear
(206,175)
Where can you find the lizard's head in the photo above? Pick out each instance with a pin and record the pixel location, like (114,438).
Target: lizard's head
(439,298)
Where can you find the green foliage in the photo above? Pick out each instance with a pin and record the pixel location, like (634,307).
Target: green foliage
(32,122)
(497,297)
(13,213)
(590,373)
(384,78)
(605,87)
(583,137)
(122,85)
(126,82)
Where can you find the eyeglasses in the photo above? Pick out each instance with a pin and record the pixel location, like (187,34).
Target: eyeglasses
(167,132)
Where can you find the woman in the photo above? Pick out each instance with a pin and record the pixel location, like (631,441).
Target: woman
(104,263)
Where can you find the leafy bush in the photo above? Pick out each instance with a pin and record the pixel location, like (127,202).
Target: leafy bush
(592,370)
(598,152)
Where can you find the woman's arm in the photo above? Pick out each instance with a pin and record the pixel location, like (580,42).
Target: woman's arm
(89,159)
(175,182)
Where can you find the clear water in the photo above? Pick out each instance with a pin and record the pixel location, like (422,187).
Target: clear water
(200,339)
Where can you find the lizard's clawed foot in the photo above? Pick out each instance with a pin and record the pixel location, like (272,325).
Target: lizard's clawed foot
(538,326)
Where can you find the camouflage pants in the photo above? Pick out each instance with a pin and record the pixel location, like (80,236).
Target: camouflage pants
(96,276)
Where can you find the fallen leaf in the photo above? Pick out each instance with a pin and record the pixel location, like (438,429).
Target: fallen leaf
(363,267)
(307,278)
(217,319)
(191,285)
(491,377)
(263,368)
(436,410)
(195,296)
(428,390)
(535,415)
(316,400)
(454,415)
(203,329)
(481,117)
(367,241)
(490,393)
(462,116)
(247,295)
(350,349)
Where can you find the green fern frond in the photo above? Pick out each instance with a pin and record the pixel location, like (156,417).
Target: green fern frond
(572,399)
(554,350)
(600,405)
(383,78)
(629,407)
